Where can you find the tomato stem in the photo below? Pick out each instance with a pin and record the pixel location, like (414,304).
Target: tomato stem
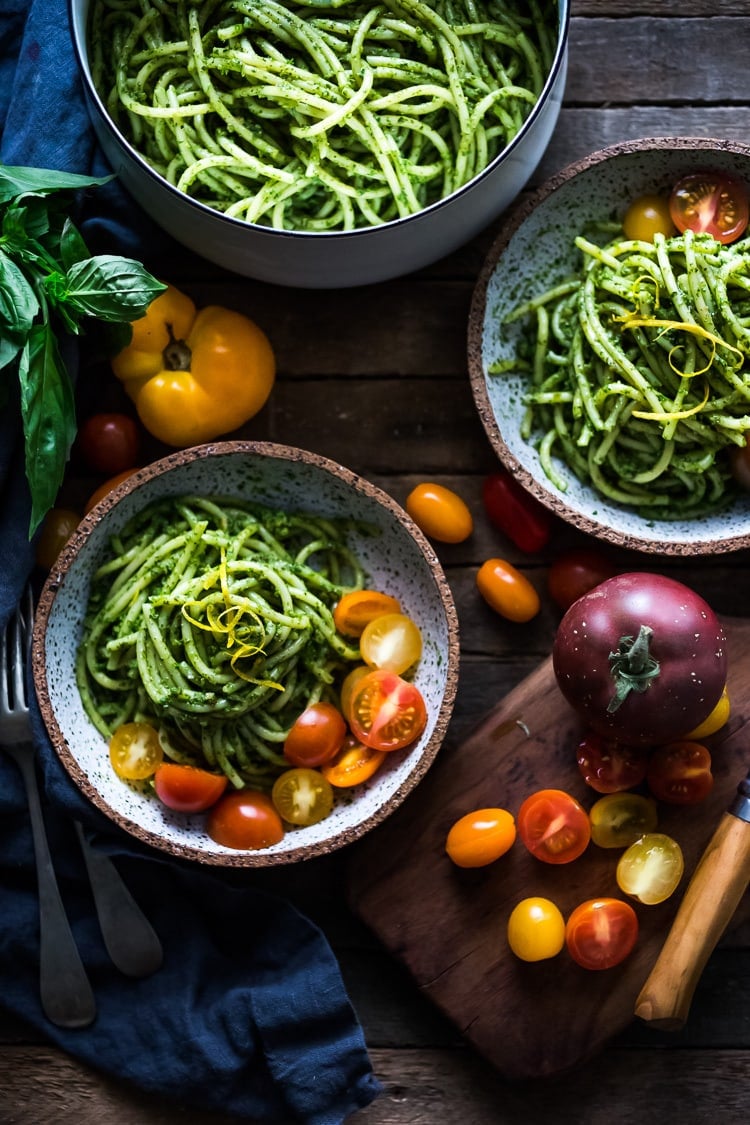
(632,666)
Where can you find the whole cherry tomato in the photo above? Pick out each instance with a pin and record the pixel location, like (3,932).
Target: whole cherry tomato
(601,933)
(554,826)
(619,819)
(316,736)
(302,796)
(354,764)
(608,766)
(575,572)
(391,641)
(712,202)
(359,607)
(646,216)
(481,837)
(651,868)
(440,513)
(515,512)
(386,712)
(57,527)
(188,789)
(135,751)
(680,773)
(109,443)
(507,591)
(536,929)
(246,820)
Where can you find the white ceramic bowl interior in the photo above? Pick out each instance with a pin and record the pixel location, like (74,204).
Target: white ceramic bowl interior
(332,260)
(397,558)
(534,250)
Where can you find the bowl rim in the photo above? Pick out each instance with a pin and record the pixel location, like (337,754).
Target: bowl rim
(513,220)
(56,580)
(81,53)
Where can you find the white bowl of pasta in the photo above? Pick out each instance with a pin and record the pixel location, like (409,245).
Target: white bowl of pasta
(322,148)
(609,350)
(198,612)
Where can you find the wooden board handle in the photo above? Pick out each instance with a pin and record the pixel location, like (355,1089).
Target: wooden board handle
(712,896)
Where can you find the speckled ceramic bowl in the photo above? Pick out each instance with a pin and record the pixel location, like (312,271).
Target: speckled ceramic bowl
(397,558)
(533,250)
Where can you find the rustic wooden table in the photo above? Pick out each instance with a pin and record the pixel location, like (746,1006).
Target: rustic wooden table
(376,378)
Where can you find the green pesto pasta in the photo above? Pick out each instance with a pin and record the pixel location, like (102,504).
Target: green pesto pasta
(320,115)
(212,620)
(639,371)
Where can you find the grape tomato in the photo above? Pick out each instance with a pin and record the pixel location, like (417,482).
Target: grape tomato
(651,868)
(680,773)
(386,712)
(440,513)
(480,837)
(515,512)
(536,929)
(554,826)
(619,819)
(391,641)
(601,933)
(711,202)
(302,796)
(507,591)
(608,766)
(57,527)
(135,751)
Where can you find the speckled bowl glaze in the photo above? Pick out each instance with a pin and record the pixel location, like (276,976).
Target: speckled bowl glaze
(533,250)
(397,558)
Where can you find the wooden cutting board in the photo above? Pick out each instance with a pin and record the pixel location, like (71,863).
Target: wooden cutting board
(447,925)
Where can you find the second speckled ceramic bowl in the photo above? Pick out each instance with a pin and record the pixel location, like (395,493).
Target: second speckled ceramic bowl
(533,251)
(396,557)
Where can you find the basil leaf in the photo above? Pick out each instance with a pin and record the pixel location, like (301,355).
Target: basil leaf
(18,301)
(111,288)
(15,181)
(48,410)
(72,247)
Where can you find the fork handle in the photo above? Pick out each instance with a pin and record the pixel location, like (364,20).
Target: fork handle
(65,991)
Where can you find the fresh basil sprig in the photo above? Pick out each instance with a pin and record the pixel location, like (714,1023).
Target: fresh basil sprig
(50,283)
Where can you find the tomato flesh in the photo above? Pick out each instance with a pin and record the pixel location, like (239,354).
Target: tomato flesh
(608,766)
(619,819)
(302,796)
(601,933)
(391,641)
(710,202)
(135,751)
(246,820)
(316,736)
(386,711)
(554,826)
(651,868)
(354,764)
(536,929)
(481,837)
(188,789)
(680,773)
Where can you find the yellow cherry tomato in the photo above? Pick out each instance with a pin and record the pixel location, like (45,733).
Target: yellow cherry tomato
(651,868)
(440,513)
(715,721)
(358,608)
(536,929)
(392,641)
(507,591)
(481,837)
(135,751)
(302,796)
(646,216)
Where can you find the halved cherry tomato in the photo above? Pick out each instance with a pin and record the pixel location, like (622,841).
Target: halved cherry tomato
(507,591)
(619,819)
(386,711)
(554,826)
(575,572)
(651,868)
(354,764)
(57,527)
(391,641)
(109,443)
(536,929)
(107,487)
(135,751)
(608,766)
(680,773)
(188,789)
(601,933)
(481,837)
(440,513)
(245,819)
(515,512)
(359,607)
(715,721)
(302,796)
(712,202)
(351,679)
(316,736)
(646,216)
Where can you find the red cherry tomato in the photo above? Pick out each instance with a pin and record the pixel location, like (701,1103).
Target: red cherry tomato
(105,489)
(354,764)
(608,766)
(316,736)
(109,442)
(680,773)
(515,512)
(440,513)
(601,932)
(386,712)
(57,528)
(507,591)
(246,820)
(710,202)
(554,826)
(575,572)
(188,789)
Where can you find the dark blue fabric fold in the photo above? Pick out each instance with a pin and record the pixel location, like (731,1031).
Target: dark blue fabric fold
(249,1014)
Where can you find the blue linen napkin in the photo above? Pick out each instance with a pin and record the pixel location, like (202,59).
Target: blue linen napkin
(248,1014)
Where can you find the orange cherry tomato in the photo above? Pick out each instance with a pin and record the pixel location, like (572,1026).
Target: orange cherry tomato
(507,591)
(481,837)
(316,736)
(135,751)
(350,681)
(386,711)
(188,789)
(359,607)
(554,826)
(440,513)
(711,202)
(245,819)
(57,527)
(105,489)
(601,932)
(392,641)
(646,216)
(354,764)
